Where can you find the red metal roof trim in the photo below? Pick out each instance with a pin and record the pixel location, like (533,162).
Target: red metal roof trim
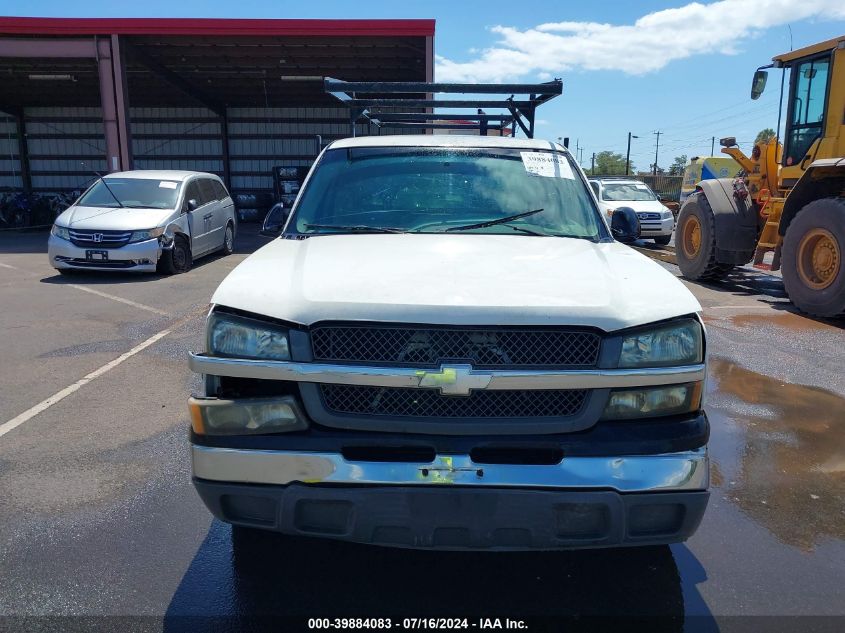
(211,26)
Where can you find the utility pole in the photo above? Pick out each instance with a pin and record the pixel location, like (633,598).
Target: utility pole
(656,147)
(628,155)
(581,156)
(712,144)
(593,165)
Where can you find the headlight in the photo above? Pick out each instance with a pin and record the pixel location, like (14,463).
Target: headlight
(240,337)
(211,416)
(653,401)
(678,343)
(140,236)
(60,231)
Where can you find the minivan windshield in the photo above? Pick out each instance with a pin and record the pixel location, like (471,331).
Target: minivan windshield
(132,193)
(625,191)
(446,190)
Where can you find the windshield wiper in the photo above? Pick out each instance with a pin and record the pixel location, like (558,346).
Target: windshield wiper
(103,180)
(486,223)
(357,228)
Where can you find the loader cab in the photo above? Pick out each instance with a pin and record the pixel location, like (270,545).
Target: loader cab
(809,83)
(816,93)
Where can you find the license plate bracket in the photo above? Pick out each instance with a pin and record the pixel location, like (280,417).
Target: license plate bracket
(97,256)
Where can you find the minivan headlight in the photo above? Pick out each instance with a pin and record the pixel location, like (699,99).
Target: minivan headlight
(60,231)
(140,236)
(677,343)
(241,337)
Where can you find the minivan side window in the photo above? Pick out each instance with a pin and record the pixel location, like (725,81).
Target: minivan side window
(192,192)
(207,191)
(219,190)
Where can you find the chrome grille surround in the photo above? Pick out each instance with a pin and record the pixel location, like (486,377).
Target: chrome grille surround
(99,239)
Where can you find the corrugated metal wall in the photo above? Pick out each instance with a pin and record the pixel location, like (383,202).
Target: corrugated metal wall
(66,145)
(176,138)
(260,138)
(10,165)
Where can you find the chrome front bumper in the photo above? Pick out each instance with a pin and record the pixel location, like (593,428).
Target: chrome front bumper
(679,472)
(657,228)
(130,257)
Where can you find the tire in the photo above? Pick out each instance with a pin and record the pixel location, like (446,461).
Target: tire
(228,240)
(698,264)
(816,239)
(176,260)
(663,240)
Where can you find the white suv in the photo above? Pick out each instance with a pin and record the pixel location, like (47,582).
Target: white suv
(446,348)
(656,221)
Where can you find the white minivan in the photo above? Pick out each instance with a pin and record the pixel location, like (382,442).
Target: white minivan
(144,221)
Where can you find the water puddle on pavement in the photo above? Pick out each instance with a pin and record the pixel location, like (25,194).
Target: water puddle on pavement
(779,453)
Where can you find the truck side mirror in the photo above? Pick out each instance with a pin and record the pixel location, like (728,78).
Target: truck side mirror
(192,205)
(625,225)
(275,220)
(758,84)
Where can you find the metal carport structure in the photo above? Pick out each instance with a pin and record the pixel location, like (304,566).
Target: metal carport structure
(230,96)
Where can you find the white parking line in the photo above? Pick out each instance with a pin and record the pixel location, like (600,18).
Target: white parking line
(105,295)
(8,266)
(56,397)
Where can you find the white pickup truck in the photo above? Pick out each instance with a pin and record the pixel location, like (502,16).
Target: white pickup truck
(447,348)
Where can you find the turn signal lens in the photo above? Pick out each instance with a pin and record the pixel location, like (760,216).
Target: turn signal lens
(653,402)
(247,416)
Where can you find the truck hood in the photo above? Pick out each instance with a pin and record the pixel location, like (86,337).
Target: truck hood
(109,219)
(455,279)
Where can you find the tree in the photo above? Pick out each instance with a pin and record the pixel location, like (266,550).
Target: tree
(677,166)
(610,164)
(764,136)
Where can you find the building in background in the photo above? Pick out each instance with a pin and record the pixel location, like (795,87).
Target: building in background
(232,97)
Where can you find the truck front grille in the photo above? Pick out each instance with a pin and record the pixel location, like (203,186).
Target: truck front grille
(429,346)
(429,403)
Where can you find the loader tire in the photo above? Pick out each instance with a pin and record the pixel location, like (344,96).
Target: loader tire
(695,241)
(813,258)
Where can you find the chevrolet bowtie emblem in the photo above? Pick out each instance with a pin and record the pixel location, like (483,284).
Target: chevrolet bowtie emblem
(455,380)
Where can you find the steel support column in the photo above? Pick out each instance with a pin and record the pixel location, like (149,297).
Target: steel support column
(109,105)
(224,138)
(121,101)
(23,150)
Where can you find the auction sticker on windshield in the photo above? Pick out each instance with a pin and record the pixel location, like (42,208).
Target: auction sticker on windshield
(547,164)
(167,184)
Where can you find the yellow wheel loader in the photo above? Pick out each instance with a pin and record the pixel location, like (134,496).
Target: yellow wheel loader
(790,201)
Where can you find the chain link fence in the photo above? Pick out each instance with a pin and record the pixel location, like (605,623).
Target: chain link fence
(666,187)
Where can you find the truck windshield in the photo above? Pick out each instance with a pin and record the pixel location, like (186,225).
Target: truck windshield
(438,190)
(631,192)
(132,193)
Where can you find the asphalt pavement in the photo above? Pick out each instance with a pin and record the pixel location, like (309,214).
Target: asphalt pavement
(98,516)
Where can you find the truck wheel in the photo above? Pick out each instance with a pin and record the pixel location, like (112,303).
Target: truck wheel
(663,240)
(695,241)
(177,259)
(813,258)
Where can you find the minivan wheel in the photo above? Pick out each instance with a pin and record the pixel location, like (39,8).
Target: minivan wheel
(177,259)
(229,240)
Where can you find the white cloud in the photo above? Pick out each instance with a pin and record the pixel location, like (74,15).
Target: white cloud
(645,46)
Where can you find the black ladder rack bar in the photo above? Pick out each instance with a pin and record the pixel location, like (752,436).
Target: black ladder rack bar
(366,99)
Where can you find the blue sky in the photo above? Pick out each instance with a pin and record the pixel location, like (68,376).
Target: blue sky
(686,72)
